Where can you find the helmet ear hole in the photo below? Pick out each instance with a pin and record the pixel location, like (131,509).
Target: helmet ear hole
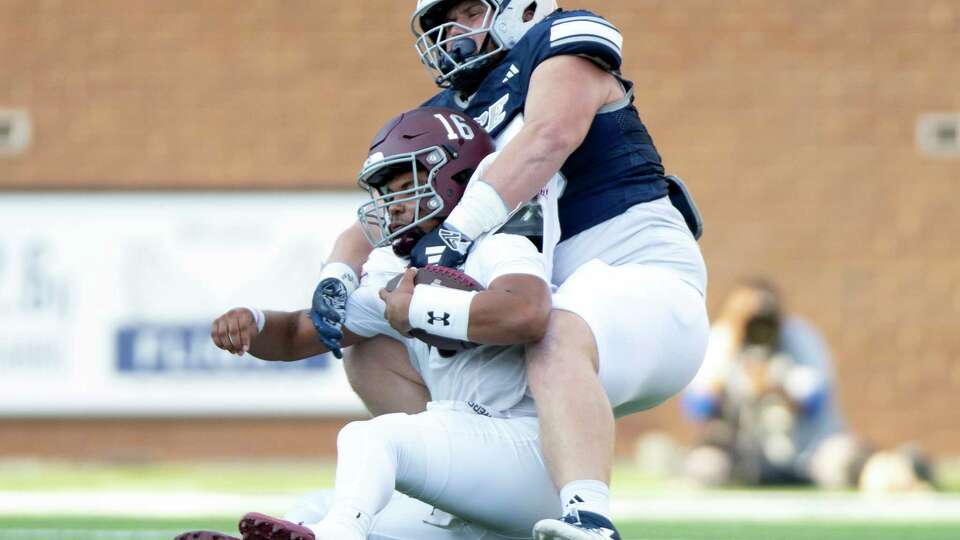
(463,177)
(529,12)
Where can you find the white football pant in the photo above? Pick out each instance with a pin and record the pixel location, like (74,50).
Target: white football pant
(639,282)
(404,518)
(489,472)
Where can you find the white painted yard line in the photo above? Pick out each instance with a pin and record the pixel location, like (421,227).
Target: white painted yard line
(86,534)
(690,506)
(139,504)
(774,506)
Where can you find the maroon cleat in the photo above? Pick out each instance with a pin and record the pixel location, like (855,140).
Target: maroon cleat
(205,535)
(254,526)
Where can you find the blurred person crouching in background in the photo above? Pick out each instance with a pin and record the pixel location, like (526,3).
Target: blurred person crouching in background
(765,400)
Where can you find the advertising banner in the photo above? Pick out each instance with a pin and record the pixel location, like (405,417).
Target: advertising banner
(106,301)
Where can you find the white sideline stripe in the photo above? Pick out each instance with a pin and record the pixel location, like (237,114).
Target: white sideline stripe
(774,507)
(140,504)
(88,534)
(562,30)
(692,506)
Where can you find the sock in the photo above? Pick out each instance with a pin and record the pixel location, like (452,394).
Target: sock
(586,495)
(343,523)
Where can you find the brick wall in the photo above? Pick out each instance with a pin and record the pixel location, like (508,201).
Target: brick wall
(792,120)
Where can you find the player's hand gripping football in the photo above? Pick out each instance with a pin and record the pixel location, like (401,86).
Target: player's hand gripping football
(397,311)
(328,312)
(234,330)
(444,245)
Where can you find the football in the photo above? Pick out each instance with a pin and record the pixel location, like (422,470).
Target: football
(441,276)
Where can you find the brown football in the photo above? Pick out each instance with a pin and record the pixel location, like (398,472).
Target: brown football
(441,276)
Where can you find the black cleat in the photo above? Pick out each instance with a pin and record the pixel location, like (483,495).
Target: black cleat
(254,526)
(204,535)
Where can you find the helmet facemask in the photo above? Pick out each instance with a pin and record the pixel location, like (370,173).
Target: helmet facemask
(374,215)
(505,23)
(455,61)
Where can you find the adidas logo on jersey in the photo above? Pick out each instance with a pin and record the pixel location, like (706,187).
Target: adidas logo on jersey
(434,253)
(511,73)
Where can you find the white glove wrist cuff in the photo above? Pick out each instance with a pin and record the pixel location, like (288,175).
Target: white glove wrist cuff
(441,311)
(343,272)
(480,210)
(259,317)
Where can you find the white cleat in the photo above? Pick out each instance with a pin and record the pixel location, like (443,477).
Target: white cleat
(576,526)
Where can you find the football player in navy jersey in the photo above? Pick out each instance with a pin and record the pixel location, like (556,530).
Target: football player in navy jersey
(629,327)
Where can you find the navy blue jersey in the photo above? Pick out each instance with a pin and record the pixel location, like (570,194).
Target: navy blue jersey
(617,166)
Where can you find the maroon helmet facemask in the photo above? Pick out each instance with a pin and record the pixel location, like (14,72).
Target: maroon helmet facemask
(441,148)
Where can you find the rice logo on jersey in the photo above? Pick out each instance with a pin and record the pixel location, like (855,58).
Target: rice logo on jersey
(495,114)
(434,320)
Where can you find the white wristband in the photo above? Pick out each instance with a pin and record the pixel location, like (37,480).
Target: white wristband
(481,209)
(441,311)
(343,272)
(259,317)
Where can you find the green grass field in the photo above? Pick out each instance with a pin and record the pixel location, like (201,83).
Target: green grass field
(12,528)
(291,479)
(233,477)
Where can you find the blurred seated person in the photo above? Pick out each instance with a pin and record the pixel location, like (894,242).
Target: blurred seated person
(764,399)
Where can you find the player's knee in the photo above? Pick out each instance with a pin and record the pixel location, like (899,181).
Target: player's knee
(353,434)
(392,430)
(386,435)
(381,431)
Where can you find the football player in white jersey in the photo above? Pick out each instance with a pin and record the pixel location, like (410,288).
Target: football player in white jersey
(472,460)
(629,327)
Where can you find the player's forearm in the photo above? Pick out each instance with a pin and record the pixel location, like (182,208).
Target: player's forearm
(529,161)
(558,117)
(351,248)
(505,318)
(286,336)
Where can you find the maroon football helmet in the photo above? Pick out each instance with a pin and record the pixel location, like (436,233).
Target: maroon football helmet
(442,148)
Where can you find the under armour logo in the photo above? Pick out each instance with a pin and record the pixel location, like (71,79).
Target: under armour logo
(434,319)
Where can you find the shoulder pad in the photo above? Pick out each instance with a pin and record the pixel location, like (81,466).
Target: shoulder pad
(579,33)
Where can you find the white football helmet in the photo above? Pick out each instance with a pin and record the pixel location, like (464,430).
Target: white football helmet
(456,63)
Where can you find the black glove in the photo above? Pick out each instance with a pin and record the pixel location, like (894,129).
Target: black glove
(328,313)
(445,246)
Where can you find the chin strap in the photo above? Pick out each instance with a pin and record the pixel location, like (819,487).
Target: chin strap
(462,49)
(466,79)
